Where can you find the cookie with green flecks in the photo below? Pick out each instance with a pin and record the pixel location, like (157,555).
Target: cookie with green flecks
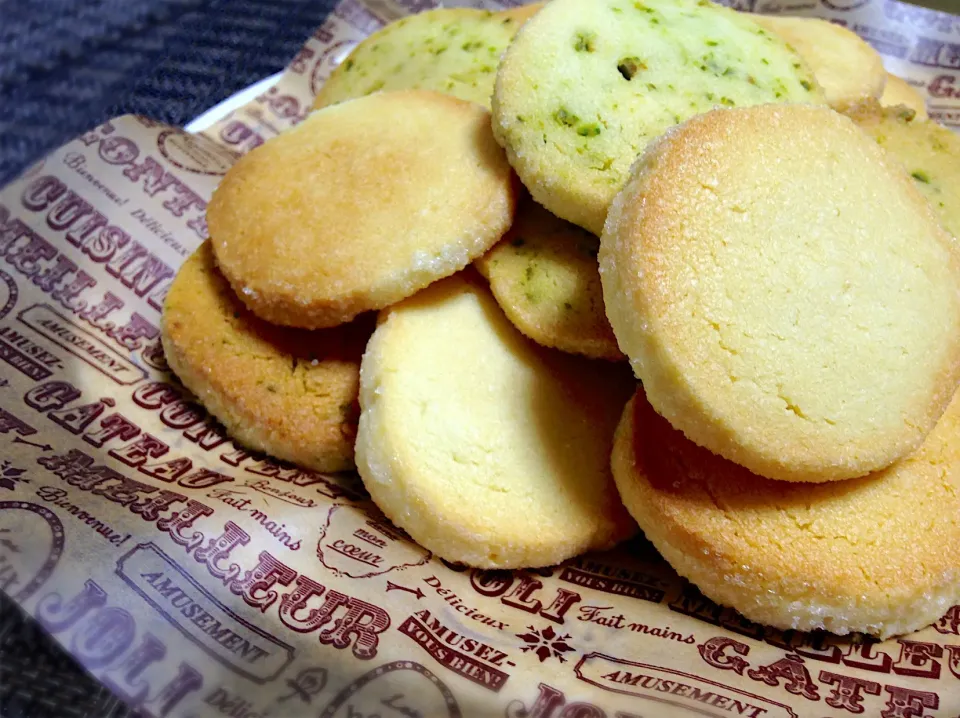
(454,51)
(845,65)
(588,83)
(544,276)
(929,152)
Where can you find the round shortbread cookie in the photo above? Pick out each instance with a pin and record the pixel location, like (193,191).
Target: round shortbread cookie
(928,152)
(360,206)
(486,448)
(786,296)
(847,68)
(898,91)
(451,50)
(877,555)
(588,83)
(290,393)
(544,275)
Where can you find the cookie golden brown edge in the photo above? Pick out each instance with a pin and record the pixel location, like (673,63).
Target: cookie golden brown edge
(290,393)
(788,298)
(361,205)
(878,555)
(488,449)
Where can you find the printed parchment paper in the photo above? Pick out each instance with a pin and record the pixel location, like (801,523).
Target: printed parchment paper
(196,579)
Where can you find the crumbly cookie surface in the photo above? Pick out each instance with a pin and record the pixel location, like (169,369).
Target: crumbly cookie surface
(486,448)
(588,83)
(786,296)
(877,555)
(360,206)
(928,152)
(544,275)
(898,91)
(847,68)
(290,393)
(524,12)
(449,50)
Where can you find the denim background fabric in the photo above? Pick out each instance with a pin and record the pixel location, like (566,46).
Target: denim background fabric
(66,66)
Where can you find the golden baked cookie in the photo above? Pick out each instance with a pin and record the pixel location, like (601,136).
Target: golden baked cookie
(847,68)
(523,12)
(786,296)
(361,205)
(588,83)
(898,91)
(449,50)
(928,152)
(290,393)
(487,449)
(544,275)
(877,555)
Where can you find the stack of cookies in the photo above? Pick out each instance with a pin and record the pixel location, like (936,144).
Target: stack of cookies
(453,273)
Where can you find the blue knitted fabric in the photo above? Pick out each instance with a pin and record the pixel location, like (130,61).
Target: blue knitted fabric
(66,66)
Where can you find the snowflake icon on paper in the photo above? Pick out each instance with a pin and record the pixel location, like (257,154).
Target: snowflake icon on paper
(10,475)
(546,643)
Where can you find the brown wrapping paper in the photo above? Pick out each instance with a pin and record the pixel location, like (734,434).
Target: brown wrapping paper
(196,579)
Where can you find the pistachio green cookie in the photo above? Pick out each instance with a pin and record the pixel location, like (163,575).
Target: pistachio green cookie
(930,153)
(454,51)
(588,83)
(545,277)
